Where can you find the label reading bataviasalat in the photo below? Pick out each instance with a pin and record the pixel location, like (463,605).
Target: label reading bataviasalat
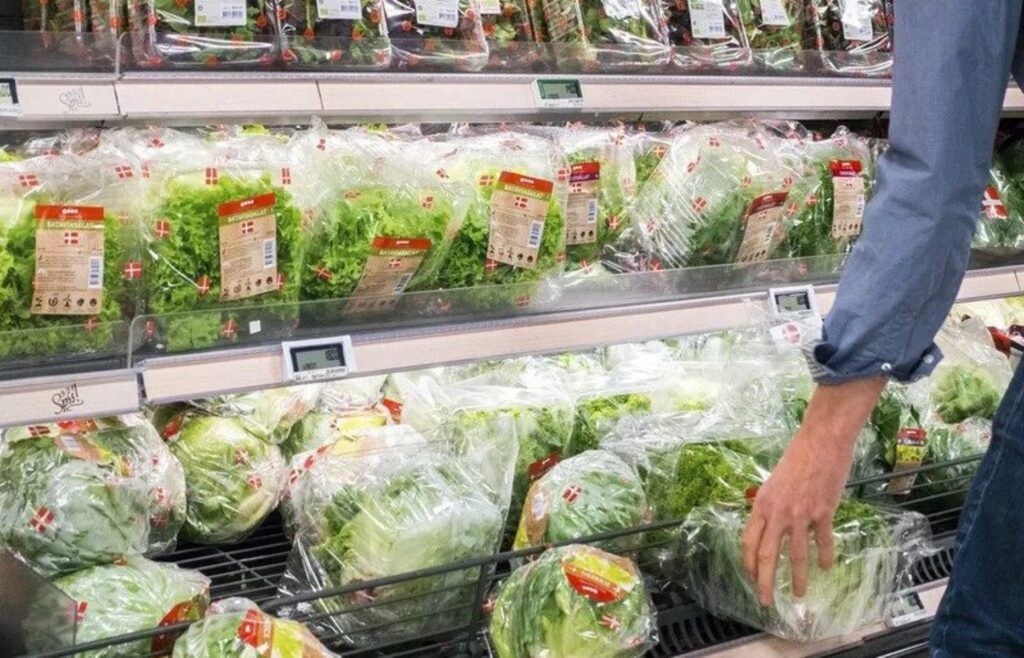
(764,229)
(581,211)
(848,198)
(69,260)
(346,10)
(248,247)
(220,13)
(773,12)
(707,19)
(857,24)
(438,13)
(911,448)
(389,268)
(519,208)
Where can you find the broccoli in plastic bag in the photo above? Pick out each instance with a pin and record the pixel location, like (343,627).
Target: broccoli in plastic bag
(874,550)
(589,494)
(234,479)
(850,36)
(574,601)
(593,34)
(117,599)
(237,628)
(335,35)
(707,34)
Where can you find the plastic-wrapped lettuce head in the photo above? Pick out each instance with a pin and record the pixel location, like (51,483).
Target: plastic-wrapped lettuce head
(116,599)
(269,414)
(363,520)
(573,601)
(585,495)
(68,502)
(233,478)
(874,549)
(237,628)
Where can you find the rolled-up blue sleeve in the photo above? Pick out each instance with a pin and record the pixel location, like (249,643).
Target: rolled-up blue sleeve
(952,66)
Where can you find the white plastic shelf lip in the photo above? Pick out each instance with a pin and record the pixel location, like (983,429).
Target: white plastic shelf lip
(73,99)
(209,97)
(764,646)
(66,397)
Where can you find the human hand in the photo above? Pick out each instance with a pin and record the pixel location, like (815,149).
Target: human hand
(805,488)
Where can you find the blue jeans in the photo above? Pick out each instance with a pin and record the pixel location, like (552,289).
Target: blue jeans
(982,613)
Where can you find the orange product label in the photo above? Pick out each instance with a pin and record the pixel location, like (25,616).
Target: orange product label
(68,260)
(248,247)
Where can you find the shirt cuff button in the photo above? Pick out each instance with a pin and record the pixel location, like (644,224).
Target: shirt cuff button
(886,367)
(929,359)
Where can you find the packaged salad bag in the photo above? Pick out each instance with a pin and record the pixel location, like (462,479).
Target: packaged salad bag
(775,31)
(345,35)
(1001,221)
(511,42)
(707,34)
(437,34)
(599,34)
(850,36)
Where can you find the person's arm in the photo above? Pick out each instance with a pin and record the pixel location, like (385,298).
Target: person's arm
(952,63)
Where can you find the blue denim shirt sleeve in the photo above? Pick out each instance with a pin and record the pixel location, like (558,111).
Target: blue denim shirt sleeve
(903,274)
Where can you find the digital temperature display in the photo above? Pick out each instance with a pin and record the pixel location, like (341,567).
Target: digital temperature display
(318,359)
(559,93)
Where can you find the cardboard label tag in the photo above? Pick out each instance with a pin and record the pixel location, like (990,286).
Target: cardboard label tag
(707,19)
(519,208)
(69,260)
(248,247)
(773,12)
(389,268)
(911,448)
(764,227)
(582,207)
(849,198)
(857,24)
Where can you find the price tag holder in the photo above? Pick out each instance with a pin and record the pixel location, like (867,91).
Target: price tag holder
(318,359)
(794,301)
(9,105)
(560,93)
(906,609)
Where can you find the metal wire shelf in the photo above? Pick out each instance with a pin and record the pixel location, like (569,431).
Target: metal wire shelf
(254,567)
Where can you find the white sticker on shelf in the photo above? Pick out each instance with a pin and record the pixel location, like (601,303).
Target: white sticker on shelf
(346,10)
(857,25)
(438,13)
(773,12)
(9,106)
(220,13)
(490,7)
(707,19)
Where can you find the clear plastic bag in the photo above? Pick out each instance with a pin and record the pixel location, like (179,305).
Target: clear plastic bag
(233,478)
(775,32)
(66,260)
(649,149)
(851,36)
(874,551)
(72,501)
(707,34)
(574,601)
(237,628)
(236,191)
(325,425)
(600,34)
(346,35)
(495,165)
(436,34)
(62,24)
(586,495)
(269,414)
(1001,221)
(693,210)
(369,516)
(229,34)
(510,37)
(117,599)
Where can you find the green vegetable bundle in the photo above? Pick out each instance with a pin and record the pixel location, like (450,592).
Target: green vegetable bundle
(707,34)
(850,36)
(1001,223)
(436,38)
(649,149)
(589,494)
(136,595)
(326,37)
(366,518)
(597,415)
(72,501)
(237,628)
(598,34)
(172,34)
(323,426)
(874,550)
(962,391)
(479,161)
(44,186)
(573,601)
(775,38)
(510,37)
(233,478)
(183,267)
(269,414)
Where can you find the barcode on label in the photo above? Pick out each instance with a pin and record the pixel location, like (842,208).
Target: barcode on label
(439,13)
(270,252)
(229,13)
(402,282)
(339,10)
(95,272)
(592,211)
(536,231)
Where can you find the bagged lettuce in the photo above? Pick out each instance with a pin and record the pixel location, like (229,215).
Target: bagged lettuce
(233,478)
(237,628)
(707,34)
(589,494)
(850,36)
(118,599)
(1001,222)
(574,601)
(324,425)
(874,550)
(72,501)
(599,34)
(334,35)
(269,414)
(774,31)
(364,517)
(446,35)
